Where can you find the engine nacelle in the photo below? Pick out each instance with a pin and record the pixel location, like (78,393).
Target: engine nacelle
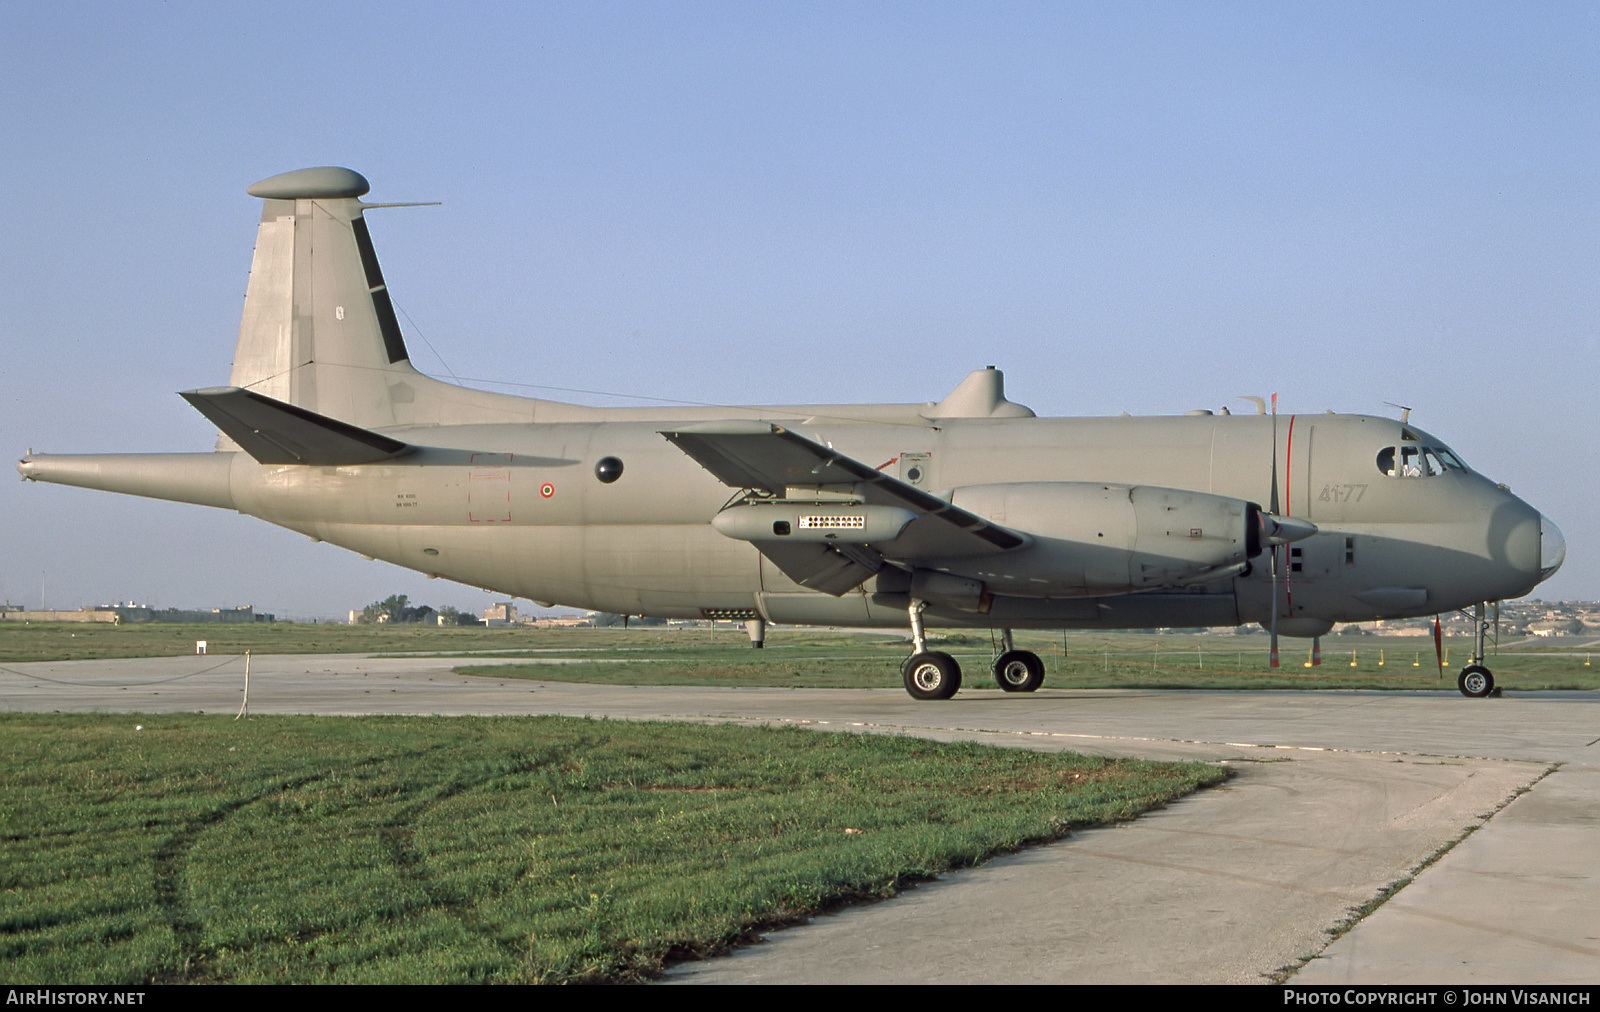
(1092,538)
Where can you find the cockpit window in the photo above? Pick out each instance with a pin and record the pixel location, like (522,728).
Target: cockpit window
(1450,460)
(1409,460)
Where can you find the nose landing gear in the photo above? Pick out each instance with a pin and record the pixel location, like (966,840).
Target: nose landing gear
(1475,680)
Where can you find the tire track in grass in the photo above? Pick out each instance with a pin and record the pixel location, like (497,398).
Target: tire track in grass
(171,857)
(398,836)
(172,890)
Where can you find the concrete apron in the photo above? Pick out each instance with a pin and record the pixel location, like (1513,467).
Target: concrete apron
(1231,885)
(1236,884)
(1513,904)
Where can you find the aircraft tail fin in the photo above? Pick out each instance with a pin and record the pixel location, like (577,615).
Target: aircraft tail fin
(319,330)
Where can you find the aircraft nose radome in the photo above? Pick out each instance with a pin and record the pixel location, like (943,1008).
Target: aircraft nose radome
(1552,548)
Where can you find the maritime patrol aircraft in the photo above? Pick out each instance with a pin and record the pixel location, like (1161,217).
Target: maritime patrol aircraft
(968,511)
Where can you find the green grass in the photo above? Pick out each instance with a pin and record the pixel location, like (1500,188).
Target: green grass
(802,659)
(49,641)
(797,657)
(516,849)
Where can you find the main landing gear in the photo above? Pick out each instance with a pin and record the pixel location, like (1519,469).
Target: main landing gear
(1017,670)
(1475,680)
(928,674)
(933,674)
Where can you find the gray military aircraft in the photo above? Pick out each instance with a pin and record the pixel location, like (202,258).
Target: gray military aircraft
(965,512)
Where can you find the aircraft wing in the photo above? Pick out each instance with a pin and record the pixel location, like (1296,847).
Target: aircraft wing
(760,455)
(277,433)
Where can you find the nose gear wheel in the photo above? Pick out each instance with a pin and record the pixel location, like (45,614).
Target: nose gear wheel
(1475,681)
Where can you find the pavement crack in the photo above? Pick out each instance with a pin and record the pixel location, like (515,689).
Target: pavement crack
(1393,889)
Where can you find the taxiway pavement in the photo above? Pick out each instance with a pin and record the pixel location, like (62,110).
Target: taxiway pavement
(1335,796)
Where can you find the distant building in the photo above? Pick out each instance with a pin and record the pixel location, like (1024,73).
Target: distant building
(243,614)
(504,613)
(81,615)
(559,622)
(137,613)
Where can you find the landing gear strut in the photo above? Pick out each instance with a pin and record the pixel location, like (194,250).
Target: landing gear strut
(1475,680)
(1017,670)
(928,674)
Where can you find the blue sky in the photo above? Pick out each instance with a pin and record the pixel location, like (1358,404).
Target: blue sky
(1146,207)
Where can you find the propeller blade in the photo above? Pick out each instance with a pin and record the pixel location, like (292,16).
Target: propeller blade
(1273,506)
(1274,628)
(1438,645)
(1273,509)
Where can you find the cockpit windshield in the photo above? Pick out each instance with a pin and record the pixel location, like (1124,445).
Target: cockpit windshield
(1412,460)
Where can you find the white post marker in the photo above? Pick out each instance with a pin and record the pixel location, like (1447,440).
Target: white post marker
(244,704)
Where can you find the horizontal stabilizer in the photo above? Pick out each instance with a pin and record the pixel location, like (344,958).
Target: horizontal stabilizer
(277,433)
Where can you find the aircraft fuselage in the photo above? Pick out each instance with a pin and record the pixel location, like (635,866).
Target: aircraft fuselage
(518,508)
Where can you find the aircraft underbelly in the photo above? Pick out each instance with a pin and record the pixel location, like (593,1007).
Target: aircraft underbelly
(1130,611)
(668,571)
(674,571)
